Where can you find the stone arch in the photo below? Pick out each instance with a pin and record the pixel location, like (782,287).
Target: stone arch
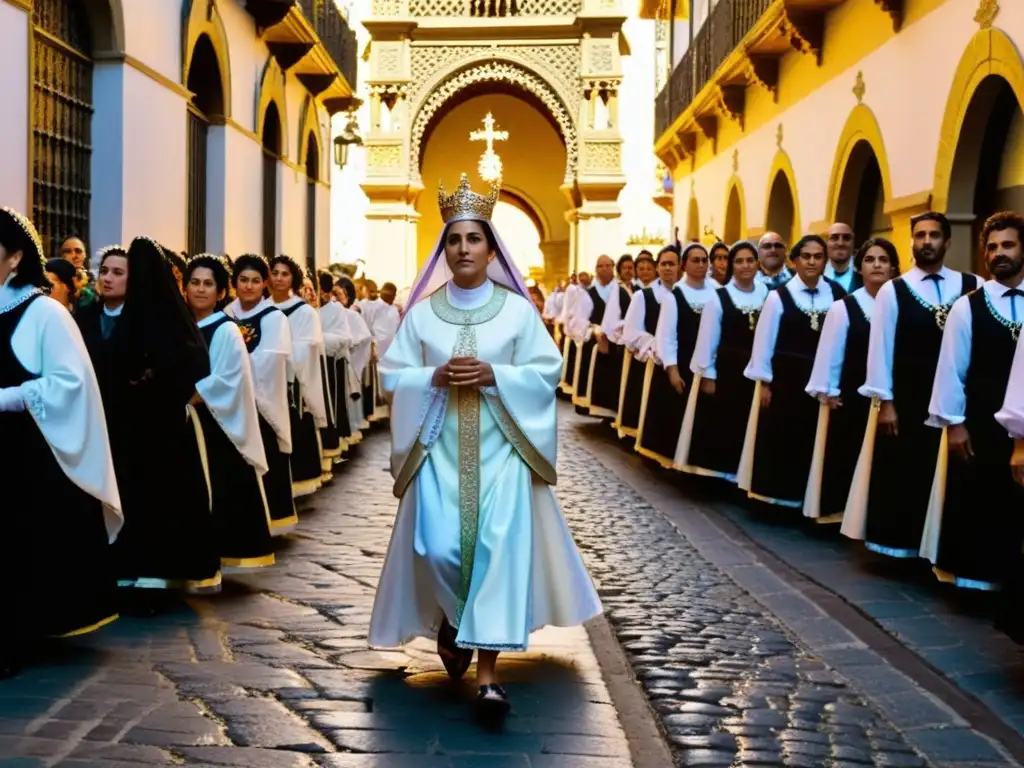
(309,128)
(522,201)
(859,144)
(271,90)
(782,210)
(198,20)
(735,219)
(446,85)
(106,22)
(693,221)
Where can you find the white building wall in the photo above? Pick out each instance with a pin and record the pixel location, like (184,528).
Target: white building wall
(152,34)
(243,222)
(15,81)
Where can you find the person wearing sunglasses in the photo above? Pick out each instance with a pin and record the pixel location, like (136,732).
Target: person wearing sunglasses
(771,254)
(840,258)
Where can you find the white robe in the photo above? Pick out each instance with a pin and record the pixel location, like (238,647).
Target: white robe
(307,344)
(522,570)
(269,363)
(229,393)
(64,401)
(384,326)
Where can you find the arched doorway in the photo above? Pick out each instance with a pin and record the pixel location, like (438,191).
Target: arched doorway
(272,145)
(533,167)
(861,202)
(781,215)
(62,100)
(733,229)
(693,221)
(312,176)
(204,81)
(522,236)
(988,168)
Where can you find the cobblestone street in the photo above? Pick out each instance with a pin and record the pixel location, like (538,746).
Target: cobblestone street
(739,667)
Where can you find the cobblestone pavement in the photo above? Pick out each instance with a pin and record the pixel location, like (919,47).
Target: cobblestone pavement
(275,673)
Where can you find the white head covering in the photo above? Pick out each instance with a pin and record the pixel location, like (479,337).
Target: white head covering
(465,205)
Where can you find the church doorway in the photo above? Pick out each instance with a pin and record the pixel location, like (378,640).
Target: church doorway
(988,168)
(531,216)
(781,215)
(272,149)
(207,104)
(861,201)
(62,109)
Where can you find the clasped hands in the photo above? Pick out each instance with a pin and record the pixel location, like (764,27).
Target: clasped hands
(464,372)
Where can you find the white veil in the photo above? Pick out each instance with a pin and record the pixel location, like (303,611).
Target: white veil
(435,272)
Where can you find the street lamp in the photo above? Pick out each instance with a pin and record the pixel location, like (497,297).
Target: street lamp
(348,136)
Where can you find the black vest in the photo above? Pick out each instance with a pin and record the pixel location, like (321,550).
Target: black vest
(855,357)
(687,324)
(738,327)
(624,299)
(988,374)
(797,338)
(251,328)
(211,328)
(652,311)
(597,313)
(12,372)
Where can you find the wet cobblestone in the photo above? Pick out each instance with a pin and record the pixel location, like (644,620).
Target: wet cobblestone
(730,685)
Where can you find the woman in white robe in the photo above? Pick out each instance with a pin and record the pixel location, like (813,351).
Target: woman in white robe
(336,347)
(63,508)
(480,554)
(360,351)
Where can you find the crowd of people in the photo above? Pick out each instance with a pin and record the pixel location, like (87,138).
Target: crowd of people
(160,415)
(818,377)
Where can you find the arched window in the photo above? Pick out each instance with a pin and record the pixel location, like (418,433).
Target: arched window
(271,140)
(312,174)
(204,81)
(61,120)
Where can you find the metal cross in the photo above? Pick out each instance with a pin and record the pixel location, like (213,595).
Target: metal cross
(488,134)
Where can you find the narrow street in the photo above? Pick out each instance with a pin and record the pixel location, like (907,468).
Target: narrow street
(744,661)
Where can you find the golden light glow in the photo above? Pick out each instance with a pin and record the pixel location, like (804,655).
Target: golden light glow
(490,163)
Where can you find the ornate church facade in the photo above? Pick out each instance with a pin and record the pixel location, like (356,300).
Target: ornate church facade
(204,124)
(787,116)
(553,73)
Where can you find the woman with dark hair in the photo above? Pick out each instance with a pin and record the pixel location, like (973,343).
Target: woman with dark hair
(780,439)
(61,275)
(719,271)
(840,366)
(62,504)
(719,415)
(360,351)
(148,356)
(227,411)
(668,386)
(305,376)
(178,264)
(269,342)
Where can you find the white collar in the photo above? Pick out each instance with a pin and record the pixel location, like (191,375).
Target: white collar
(113,312)
(462,298)
(209,319)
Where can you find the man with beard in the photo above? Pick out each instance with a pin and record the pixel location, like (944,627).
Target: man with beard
(771,254)
(840,258)
(903,352)
(971,546)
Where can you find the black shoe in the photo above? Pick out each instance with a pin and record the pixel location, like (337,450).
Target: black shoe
(456,660)
(491,706)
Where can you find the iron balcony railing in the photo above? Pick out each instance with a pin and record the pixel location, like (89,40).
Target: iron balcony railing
(728,25)
(336,35)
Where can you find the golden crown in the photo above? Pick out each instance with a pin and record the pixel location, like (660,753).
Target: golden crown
(465,203)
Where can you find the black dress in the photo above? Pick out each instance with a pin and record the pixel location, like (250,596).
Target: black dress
(57,562)
(568,384)
(277,483)
(586,351)
(330,438)
(663,418)
(240,516)
(604,395)
(168,539)
(904,465)
(629,418)
(983,515)
(307,464)
(846,425)
(337,374)
(786,429)
(720,421)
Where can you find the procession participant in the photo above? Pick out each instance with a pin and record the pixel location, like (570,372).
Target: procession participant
(646,270)
(359,358)
(840,256)
(638,331)
(337,342)
(567,382)
(305,384)
(772,271)
(269,343)
(606,370)
(385,319)
(57,562)
(148,355)
(719,271)
(780,438)
(1011,418)
(481,555)
(903,351)
(589,313)
(972,546)
(840,366)
(724,343)
(60,275)
(231,428)
(74,250)
(666,390)
(330,440)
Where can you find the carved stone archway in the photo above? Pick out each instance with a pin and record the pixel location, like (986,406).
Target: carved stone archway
(516,74)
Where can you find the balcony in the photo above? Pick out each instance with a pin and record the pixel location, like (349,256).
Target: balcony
(313,40)
(738,47)
(480,9)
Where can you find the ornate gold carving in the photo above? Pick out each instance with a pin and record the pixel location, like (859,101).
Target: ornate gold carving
(384,156)
(778,136)
(895,10)
(389,60)
(859,88)
(464,203)
(387,8)
(806,31)
(602,58)
(987,12)
(731,101)
(495,71)
(602,156)
(467,8)
(764,70)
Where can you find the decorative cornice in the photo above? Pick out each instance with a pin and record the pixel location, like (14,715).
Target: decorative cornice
(986,13)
